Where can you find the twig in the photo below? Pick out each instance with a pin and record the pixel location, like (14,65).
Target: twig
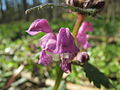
(16,73)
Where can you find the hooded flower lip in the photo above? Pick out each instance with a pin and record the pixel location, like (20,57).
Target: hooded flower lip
(82,37)
(65,42)
(39,25)
(85,27)
(83,40)
(45,59)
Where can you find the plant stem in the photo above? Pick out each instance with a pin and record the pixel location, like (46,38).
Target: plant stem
(79,20)
(58,79)
(53,5)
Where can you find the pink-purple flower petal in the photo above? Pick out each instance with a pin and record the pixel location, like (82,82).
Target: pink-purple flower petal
(66,67)
(82,37)
(65,42)
(39,25)
(45,59)
(48,42)
(85,27)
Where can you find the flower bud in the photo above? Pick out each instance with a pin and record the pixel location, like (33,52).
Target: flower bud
(97,4)
(83,57)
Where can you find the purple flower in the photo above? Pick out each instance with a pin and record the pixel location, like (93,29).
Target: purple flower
(39,25)
(82,37)
(45,59)
(65,42)
(62,43)
(48,42)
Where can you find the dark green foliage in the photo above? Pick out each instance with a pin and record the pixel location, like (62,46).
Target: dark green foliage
(95,76)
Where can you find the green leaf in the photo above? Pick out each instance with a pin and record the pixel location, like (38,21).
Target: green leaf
(95,76)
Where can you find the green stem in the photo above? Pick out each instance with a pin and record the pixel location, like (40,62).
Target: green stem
(58,79)
(79,20)
(76,9)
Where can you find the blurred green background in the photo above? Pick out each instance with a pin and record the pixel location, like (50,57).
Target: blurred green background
(17,47)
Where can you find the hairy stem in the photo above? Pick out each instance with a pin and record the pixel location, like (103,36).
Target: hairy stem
(75,9)
(58,79)
(79,20)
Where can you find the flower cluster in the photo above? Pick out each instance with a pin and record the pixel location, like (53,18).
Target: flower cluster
(62,43)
